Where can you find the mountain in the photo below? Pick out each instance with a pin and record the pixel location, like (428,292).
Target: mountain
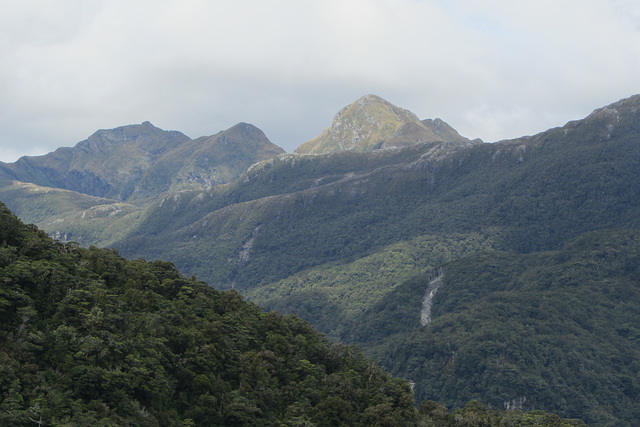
(558,330)
(69,215)
(294,213)
(107,164)
(371,123)
(138,162)
(335,237)
(329,237)
(208,161)
(88,337)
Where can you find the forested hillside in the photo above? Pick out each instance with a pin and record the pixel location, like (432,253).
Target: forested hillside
(338,231)
(90,338)
(558,330)
(350,239)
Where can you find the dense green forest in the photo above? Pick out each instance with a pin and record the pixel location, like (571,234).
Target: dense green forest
(558,330)
(90,338)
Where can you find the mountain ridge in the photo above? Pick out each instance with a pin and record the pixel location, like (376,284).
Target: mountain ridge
(331,236)
(136,162)
(371,123)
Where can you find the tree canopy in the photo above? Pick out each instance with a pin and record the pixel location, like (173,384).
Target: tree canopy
(88,337)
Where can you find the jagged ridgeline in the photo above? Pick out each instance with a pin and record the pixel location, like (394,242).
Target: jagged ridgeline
(96,192)
(89,338)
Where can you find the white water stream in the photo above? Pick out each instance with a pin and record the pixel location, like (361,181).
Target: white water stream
(427,302)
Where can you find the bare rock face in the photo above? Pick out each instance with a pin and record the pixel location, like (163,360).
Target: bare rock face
(372,123)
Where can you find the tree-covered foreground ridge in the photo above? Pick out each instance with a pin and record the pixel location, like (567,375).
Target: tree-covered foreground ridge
(90,338)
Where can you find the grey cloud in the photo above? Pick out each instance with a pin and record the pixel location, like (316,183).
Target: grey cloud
(493,69)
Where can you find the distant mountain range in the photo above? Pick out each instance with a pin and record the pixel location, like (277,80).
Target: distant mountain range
(137,162)
(349,230)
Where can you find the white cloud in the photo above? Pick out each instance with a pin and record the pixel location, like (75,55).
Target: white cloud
(492,69)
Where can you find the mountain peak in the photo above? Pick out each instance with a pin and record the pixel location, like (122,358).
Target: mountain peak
(144,134)
(246,129)
(625,107)
(371,123)
(372,99)
(606,122)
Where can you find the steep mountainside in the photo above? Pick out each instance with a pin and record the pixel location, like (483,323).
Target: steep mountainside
(559,330)
(138,162)
(89,338)
(71,216)
(332,236)
(297,212)
(208,161)
(331,250)
(371,123)
(107,164)
(262,235)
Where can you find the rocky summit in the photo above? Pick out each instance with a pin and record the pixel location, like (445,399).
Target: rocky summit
(372,123)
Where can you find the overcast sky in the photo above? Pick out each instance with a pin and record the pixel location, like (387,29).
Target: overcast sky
(491,69)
